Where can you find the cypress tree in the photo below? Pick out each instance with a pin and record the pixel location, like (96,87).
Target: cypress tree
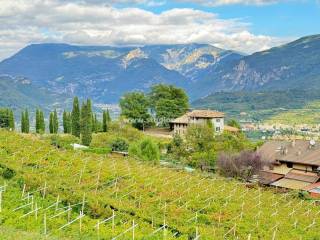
(55,122)
(23,122)
(42,126)
(75,126)
(37,121)
(108,116)
(65,122)
(51,127)
(86,123)
(27,122)
(11,121)
(93,123)
(69,122)
(104,122)
(96,123)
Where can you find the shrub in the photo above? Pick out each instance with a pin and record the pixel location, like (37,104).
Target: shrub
(149,150)
(242,165)
(7,173)
(146,150)
(120,145)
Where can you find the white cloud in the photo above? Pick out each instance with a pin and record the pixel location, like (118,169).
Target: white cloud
(92,23)
(230,2)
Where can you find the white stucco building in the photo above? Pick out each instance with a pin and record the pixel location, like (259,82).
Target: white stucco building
(180,124)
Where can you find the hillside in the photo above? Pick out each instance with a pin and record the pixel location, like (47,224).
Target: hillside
(46,186)
(293,65)
(260,105)
(19,92)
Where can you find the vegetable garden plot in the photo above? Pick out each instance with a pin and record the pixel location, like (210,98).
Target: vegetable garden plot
(151,201)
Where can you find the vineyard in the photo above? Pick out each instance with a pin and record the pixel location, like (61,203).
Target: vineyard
(52,193)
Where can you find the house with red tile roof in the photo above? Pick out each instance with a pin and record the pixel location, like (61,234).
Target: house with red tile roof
(294,164)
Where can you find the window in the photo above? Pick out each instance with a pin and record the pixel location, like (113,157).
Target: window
(289,165)
(218,120)
(217,129)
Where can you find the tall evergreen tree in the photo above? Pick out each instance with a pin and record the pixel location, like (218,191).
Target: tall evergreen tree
(11,120)
(108,116)
(51,124)
(86,123)
(75,128)
(93,122)
(65,122)
(55,122)
(6,119)
(37,121)
(27,121)
(69,123)
(23,122)
(42,125)
(105,121)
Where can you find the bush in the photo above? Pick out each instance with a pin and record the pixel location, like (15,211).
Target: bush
(146,150)
(120,145)
(7,173)
(242,166)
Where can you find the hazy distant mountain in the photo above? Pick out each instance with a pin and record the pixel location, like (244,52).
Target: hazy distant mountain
(19,93)
(105,73)
(294,65)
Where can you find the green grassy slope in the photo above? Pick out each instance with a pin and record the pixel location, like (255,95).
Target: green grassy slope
(259,105)
(218,208)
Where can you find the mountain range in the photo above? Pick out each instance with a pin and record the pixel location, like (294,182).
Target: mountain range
(105,73)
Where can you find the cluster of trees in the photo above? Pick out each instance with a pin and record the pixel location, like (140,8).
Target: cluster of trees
(7,118)
(40,124)
(196,149)
(81,122)
(162,104)
(53,122)
(201,147)
(25,122)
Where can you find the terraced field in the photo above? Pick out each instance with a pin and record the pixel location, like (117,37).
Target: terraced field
(75,195)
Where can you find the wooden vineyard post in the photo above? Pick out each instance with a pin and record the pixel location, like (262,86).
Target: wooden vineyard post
(164,229)
(113,222)
(44,190)
(133,226)
(104,221)
(45,224)
(2,189)
(57,203)
(80,221)
(23,190)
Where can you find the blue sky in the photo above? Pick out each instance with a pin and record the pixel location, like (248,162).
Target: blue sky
(242,25)
(283,18)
